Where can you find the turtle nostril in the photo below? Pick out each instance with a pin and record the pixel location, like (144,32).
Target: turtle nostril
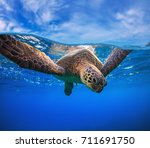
(94,80)
(99,83)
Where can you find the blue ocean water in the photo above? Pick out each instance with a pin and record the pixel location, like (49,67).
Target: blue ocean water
(31,100)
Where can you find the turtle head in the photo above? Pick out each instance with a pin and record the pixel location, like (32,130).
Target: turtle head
(92,78)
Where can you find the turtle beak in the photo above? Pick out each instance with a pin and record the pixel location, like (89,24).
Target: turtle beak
(97,89)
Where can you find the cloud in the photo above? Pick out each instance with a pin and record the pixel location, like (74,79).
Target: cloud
(80,28)
(130,18)
(126,25)
(8,21)
(46,16)
(2,25)
(5,5)
(44,11)
(11,26)
(133,23)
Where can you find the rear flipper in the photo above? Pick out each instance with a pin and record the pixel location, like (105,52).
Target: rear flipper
(68,88)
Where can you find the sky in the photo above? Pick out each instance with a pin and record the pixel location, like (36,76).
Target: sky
(78,21)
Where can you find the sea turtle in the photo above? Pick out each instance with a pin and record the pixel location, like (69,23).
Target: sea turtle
(80,65)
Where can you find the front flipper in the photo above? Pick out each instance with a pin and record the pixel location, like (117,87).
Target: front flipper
(68,88)
(113,60)
(27,56)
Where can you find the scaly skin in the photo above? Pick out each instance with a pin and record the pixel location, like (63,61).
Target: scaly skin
(113,60)
(27,57)
(74,61)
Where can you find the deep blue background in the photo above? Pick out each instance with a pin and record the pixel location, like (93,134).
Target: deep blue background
(118,107)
